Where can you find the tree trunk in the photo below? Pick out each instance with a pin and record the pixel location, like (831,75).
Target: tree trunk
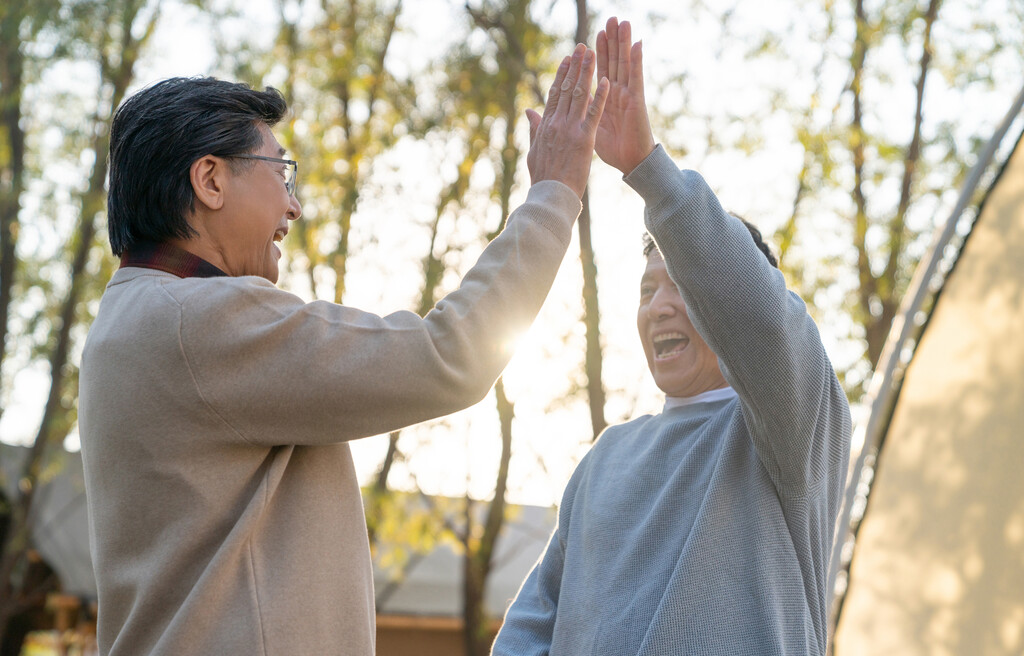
(117,76)
(479,554)
(868,288)
(12,67)
(879,295)
(890,291)
(479,558)
(359,136)
(594,359)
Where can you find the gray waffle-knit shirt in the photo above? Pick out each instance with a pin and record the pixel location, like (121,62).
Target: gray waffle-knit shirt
(705,529)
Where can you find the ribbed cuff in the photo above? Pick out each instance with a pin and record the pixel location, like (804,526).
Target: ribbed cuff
(655,178)
(560,204)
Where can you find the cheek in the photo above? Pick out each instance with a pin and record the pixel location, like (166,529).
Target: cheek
(708,357)
(641,329)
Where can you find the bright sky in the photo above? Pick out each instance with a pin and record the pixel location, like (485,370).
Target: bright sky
(550,436)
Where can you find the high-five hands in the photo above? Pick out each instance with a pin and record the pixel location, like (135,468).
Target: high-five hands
(614,122)
(562,141)
(624,137)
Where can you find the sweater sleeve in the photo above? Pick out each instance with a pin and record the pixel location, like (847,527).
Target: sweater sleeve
(272,369)
(530,621)
(529,624)
(768,346)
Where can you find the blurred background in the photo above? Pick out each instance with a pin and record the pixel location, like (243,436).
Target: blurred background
(845,129)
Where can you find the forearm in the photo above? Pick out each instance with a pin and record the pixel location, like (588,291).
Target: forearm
(474,328)
(346,373)
(530,621)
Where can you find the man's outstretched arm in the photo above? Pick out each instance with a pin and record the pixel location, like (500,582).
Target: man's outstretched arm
(353,374)
(769,347)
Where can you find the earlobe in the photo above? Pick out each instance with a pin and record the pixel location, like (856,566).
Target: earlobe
(207,175)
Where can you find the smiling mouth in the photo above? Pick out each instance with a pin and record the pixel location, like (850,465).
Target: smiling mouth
(669,345)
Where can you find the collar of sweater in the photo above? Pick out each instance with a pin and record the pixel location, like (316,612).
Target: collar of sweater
(707,397)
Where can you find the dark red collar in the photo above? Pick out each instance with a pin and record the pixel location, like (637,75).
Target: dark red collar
(168,258)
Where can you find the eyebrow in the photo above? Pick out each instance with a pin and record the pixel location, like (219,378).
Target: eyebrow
(281,151)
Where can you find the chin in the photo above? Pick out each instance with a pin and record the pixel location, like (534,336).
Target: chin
(271,268)
(673,380)
(270,272)
(672,390)
(669,386)
(678,383)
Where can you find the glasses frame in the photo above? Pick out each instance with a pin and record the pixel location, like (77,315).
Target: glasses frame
(288,184)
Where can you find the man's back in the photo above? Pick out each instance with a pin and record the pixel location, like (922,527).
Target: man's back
(208,542)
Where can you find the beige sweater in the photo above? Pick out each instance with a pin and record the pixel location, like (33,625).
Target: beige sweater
(225,515)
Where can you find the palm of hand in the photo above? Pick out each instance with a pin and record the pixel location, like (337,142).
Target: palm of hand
(624,130)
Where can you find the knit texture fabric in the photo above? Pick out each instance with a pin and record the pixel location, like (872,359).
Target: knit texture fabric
(224,510)
(705,529)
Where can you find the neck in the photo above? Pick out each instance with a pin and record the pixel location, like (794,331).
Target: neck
(721,383)
(202,247)
(704,397)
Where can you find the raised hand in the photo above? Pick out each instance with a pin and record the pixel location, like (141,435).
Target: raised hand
(562,141)
(624,136)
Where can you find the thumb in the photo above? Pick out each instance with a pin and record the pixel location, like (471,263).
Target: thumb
(534,119)
(596,108)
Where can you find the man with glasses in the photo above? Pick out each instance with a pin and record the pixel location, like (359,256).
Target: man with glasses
(290,172)
(215,408)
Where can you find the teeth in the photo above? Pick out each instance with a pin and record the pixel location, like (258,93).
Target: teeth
(667,336)
(668,345)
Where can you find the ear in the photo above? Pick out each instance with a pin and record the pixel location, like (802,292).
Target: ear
(208,175)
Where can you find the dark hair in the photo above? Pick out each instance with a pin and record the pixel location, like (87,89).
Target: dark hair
(649,244)
(155,137)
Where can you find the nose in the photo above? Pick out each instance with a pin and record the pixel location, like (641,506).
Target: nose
(294,209)
(663,304)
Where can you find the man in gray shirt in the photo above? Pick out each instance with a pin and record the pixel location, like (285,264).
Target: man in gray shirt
(705,529)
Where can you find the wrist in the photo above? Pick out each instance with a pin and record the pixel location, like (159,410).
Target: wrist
(637,157)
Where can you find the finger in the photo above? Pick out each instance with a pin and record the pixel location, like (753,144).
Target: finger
(534,120)
(556,87)
(636,68)
(569,82)
(625,41)
(612,28)
(596,108)
(602,55)
(581,93)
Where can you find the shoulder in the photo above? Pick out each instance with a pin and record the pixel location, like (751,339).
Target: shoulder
(606,452)
(206,303)
(199,306)
(620,431)
(611,438)
(615,440)
(212,291)
(184,290)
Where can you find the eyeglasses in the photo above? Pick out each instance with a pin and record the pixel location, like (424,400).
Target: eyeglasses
(291,169)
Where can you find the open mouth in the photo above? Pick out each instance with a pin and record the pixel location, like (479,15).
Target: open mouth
(669,345)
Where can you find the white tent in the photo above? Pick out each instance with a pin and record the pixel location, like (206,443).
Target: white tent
(938,563)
